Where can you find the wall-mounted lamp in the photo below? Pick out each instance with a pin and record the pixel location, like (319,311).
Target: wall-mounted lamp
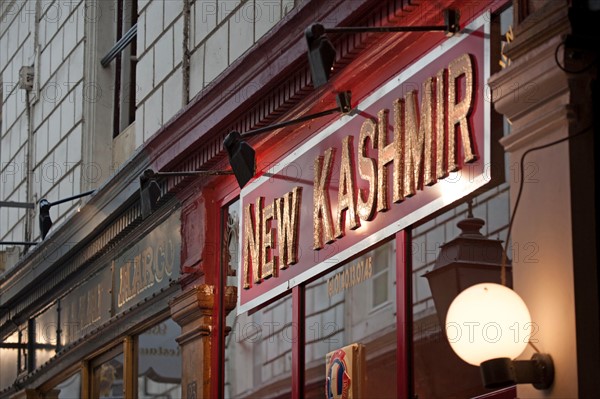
(321,52)
(150,191)
(242,156)
(45,205)
(488,325)
(468,259)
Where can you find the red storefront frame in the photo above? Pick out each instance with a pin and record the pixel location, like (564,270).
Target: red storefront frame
(228,192)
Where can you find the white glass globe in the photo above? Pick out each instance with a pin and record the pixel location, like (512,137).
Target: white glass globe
(488,321)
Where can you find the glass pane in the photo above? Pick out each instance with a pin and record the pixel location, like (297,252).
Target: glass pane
(46,326)
(258,352)
(159,362)
(70,388)
(8,361)
(339,312)
(108,379)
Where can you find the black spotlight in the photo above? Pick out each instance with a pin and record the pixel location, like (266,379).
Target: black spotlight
(321,54)
(241,157)
(343,100)
(150,192)
(44,217)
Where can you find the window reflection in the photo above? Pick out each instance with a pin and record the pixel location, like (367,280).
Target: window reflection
(354,304)
(69,388)
(159,362)
(9,355)
(108,379)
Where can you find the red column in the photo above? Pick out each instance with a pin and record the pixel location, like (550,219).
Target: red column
(404,313)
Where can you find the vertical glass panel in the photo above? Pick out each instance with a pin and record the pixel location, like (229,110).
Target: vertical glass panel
(69,388)
(8,360)
(258,353)
(258,349)
(159,362)
(46,326)
(354,304)
(107,379)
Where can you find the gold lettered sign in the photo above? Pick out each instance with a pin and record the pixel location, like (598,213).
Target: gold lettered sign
(420,142)
(149,266)
(86,307)
(346,373)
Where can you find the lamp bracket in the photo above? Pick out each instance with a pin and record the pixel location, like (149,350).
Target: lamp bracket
(451,26)
(151,174)
(343,100)
(13,204)
(503,372)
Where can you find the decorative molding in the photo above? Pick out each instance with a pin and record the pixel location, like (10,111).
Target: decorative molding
(530,33)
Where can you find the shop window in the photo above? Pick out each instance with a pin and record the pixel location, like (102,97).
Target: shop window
(107,378)
(353,304)
(258,349)
(258,352)
(9,359)
(381,282)
(67,389)
(46,335)
(159,362)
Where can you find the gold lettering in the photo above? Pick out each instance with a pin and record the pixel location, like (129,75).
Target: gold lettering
(440,126)
(287,213)
(124,281)
(459,112)
(269,261)
(346,200)
(137,275)
(252,245)
(419,140)
(367,168)
(322,222)
(387,153)
(148,274)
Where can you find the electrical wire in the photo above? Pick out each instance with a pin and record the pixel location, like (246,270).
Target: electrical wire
(520,192)
(562,44)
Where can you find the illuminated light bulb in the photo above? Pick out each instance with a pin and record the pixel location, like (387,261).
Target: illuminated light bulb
(488,321)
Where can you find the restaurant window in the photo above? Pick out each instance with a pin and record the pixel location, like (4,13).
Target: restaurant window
(159,362)
(353,304)
(46,335)
(107,376)
(67,389)
(9,358)
(258,349)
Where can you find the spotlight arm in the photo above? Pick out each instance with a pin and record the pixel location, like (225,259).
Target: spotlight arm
(150,174)
(276,126)
(27,243)
(451,18)
(344,106)
(386,29)
(13,204)
(60,201)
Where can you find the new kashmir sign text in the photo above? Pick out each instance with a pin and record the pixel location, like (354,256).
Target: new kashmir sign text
(367,176)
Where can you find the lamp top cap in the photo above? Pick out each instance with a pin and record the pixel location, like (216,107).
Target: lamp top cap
(471,226)
(314,31)
(231,138)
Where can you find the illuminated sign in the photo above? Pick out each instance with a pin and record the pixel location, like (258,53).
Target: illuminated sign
(415,145)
